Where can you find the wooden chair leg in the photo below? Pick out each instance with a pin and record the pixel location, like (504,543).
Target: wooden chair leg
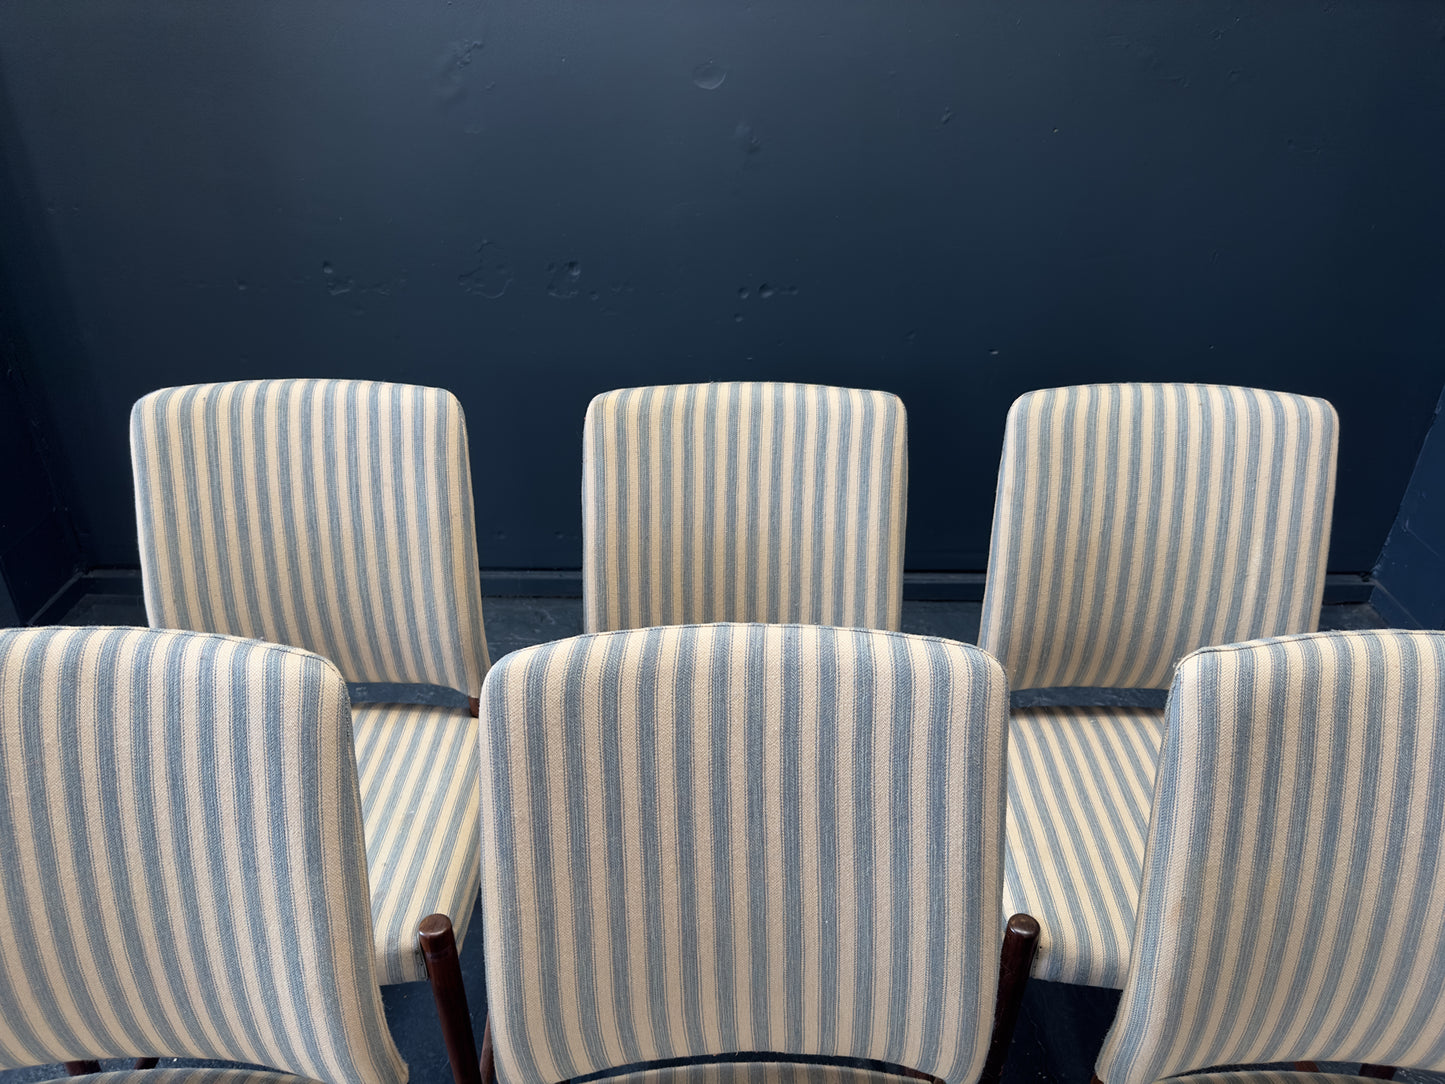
(1306,1067)
(489,1071)
(444,972)
(1020,942)
(146,1063)
(1378,1072)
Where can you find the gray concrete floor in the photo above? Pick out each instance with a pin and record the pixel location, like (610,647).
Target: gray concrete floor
(1061,1027)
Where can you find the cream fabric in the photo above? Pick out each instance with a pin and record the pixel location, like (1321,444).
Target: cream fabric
(334,515)
(1080,784)
(420,804)
(182,867)
(743,502)
(1137,522)
(1293,899)
(742,838)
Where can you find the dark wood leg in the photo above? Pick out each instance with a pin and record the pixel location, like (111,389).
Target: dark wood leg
(146,1063)
(1020,941)
(1306,1067)
(444,971)
(474,705)
(1378,1072)
(489,1071)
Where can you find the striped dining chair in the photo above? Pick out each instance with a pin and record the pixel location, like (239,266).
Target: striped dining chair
(182,861)
(1133,524)
(743,502)
(336,515)
(1293,904)
(730,853)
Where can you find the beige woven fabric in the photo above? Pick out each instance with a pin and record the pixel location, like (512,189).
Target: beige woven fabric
(743,502)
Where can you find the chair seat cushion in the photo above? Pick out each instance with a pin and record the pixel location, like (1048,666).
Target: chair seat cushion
(184,1075)
(760,1072)
(420,804)
(1080,785)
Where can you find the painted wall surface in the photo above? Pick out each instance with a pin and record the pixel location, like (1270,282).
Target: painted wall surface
(530,201)
(38,554)
(1410,577)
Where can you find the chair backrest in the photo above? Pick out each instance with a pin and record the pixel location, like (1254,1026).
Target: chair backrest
(182,865)
(1137,522)
(741,838)
(743,502)
(1293,902)
(334,515)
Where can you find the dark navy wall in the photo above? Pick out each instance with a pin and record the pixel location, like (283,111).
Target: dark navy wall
(1410,578)
(529,201)
(38,552)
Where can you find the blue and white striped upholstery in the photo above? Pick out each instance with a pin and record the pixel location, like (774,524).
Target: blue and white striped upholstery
(1293,902)
(742,838)
(182,870)
(334,515)
(1137,522)
(743,502)
(1271,1076)
(1134,523)
(1080,781)
(418,769)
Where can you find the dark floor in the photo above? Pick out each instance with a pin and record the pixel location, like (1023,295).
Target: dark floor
(1061,1028)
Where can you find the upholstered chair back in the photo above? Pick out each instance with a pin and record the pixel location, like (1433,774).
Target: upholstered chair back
(1137,522)
(1293,902)
(742,838)
(743,502)
(182,869)
(334,515)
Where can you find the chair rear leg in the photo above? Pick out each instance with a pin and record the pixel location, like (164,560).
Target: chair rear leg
(1020,942)
(1378,1072)
(444,972)
(489,1071)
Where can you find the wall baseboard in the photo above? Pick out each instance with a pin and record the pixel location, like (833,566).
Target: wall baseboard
(1343,587)
(1340,587)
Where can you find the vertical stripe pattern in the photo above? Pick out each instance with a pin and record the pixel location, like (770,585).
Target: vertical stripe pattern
(743,502)
(733,838)
(1293,903)
(420,805)
(1080,781)
(1137,522)
(334,515)
(182,870)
